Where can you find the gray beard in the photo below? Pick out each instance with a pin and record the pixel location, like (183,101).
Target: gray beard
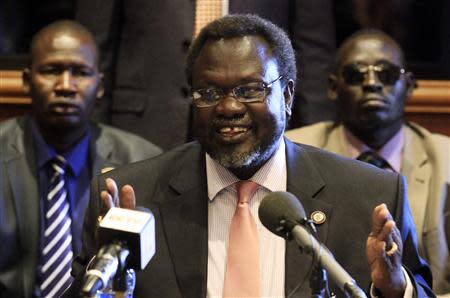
(237,160)
(245,159)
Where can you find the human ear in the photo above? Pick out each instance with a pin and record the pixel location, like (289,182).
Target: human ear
(332,87)
(411,83)
(101,86)
(26,80)
(288,94)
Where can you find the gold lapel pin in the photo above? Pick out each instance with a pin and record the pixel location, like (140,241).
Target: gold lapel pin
(318,217)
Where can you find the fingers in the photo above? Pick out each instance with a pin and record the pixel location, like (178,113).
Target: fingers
(112,198)
(113,190)
(395,246)
(385,231)
(379,217)
(127,197)
(392,250)
(106,200)
(388,239)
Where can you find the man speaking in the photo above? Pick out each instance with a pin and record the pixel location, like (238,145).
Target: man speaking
(205,195)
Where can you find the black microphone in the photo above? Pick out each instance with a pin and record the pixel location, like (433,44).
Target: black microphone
(110,259)
(283,214)
(127,241)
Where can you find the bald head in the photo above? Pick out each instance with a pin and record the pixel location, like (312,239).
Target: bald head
(371,36)
(64,82)
(61,33)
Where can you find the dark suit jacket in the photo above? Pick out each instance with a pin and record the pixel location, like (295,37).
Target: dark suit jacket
(174,187)
(144,45)
(19,199)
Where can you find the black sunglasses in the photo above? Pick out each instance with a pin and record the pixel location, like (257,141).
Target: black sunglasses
(387,73)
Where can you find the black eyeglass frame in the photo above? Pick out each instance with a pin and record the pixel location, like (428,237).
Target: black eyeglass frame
(196,95)
(391,75)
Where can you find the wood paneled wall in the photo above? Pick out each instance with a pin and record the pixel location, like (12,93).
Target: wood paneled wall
(14,100)
(429,105)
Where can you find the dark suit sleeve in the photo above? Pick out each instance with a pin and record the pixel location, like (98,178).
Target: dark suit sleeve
(103,18)
(313,37)
(418,270)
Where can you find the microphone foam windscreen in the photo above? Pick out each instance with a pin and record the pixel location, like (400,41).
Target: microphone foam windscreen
(136,228)
(278,206)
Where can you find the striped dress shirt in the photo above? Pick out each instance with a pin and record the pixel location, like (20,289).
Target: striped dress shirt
(222,204)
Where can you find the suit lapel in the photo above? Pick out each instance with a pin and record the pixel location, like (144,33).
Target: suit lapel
(305,182)
(21,170)
(335,141)
(100,151)
(417,170)
(184,216)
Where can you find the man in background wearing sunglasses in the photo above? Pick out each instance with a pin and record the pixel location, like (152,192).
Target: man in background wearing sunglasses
(371,86)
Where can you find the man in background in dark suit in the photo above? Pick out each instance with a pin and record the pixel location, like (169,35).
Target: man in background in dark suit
(242,72)
(144,50)
(64,82)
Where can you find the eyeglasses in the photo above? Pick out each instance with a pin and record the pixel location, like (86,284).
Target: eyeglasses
(251,92)
(387,73)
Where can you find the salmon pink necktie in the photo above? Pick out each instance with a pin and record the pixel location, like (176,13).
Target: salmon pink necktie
(242,277)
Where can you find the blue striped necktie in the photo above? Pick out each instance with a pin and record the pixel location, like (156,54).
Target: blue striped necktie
(56,257)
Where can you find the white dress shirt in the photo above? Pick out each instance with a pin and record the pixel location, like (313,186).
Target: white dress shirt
(222,204)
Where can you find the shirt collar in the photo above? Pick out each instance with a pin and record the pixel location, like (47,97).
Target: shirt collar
(76,156)
(272,175)
(391,151)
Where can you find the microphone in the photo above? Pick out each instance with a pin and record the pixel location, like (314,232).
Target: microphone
(283,214)
(127,241)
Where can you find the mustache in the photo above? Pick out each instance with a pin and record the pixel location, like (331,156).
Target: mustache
(222,121)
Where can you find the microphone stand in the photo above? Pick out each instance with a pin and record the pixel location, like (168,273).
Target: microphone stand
(124,280)
(318,281)
(121,280)
(124,283)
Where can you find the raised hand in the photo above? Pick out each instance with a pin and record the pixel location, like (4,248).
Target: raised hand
(384,250)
